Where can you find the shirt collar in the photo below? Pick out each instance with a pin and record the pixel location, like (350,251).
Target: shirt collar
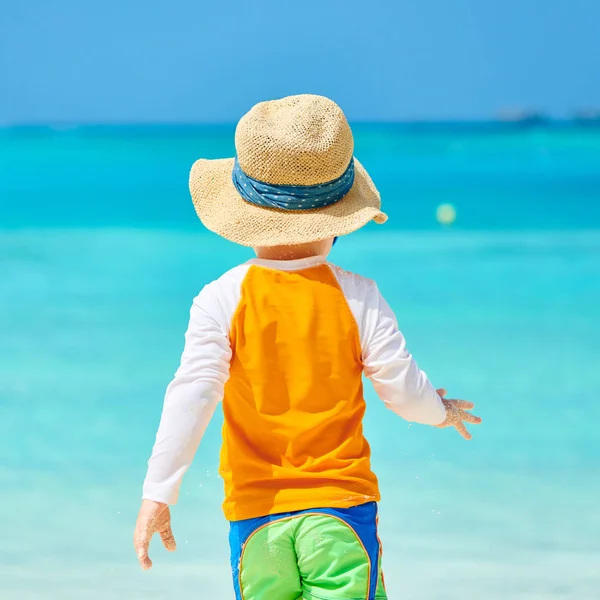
(289,265)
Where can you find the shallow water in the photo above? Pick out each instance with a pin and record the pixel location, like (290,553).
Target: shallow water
(100,257)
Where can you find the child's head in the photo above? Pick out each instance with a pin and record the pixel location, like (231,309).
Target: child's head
(294,184)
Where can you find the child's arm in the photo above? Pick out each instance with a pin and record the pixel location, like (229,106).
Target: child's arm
(189,405)
(396,377)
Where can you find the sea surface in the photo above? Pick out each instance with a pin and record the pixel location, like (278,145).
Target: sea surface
(100,257)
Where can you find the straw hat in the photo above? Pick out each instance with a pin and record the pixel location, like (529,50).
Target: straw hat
(294,179)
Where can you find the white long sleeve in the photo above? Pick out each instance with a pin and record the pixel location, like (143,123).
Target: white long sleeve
(395,375)
(190,400)
(397,379)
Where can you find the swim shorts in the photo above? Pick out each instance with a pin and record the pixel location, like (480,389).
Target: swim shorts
(316,554)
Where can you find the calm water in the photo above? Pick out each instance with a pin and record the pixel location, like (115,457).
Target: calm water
(100,256)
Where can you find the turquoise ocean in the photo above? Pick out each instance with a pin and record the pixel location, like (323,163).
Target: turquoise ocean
(100,257)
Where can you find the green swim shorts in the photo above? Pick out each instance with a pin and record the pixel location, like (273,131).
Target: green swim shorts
(316,554)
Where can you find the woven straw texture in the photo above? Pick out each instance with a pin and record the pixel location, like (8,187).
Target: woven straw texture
(299,140)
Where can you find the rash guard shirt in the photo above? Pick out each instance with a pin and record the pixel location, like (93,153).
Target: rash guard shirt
(283,345)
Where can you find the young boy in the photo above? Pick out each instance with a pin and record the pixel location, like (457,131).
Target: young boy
(283,341)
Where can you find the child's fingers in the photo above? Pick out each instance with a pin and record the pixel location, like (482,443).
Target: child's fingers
(141,540)
(141,549)
(464,404)
(441,392)
(167,537)
(469,418)
(144,559)
(463,430)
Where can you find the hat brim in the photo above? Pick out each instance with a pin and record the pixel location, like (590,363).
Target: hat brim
(222,210)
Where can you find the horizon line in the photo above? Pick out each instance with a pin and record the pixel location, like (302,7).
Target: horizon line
(525,120)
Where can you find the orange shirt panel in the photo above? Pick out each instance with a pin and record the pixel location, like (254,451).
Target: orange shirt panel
(293,405)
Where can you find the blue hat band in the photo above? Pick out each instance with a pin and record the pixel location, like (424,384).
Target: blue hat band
(292,197)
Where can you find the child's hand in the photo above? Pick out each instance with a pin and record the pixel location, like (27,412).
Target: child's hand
(153,517)
(457,414)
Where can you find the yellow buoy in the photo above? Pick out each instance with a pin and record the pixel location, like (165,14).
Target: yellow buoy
(445,214)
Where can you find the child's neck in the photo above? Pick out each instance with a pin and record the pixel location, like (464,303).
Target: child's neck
(295,252)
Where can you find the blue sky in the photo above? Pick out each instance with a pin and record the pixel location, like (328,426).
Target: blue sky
(197,61)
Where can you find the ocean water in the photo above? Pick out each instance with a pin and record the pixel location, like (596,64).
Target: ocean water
(100,256)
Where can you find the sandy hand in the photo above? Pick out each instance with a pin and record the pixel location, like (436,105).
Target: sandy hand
(154,517)
(457,414)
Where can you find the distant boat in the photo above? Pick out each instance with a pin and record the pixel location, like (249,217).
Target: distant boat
(587,117)
(523,117)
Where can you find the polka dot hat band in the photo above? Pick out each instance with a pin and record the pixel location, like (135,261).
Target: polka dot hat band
(290,197)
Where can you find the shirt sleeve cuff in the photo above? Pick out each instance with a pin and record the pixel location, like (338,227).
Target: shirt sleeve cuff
(159,493)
